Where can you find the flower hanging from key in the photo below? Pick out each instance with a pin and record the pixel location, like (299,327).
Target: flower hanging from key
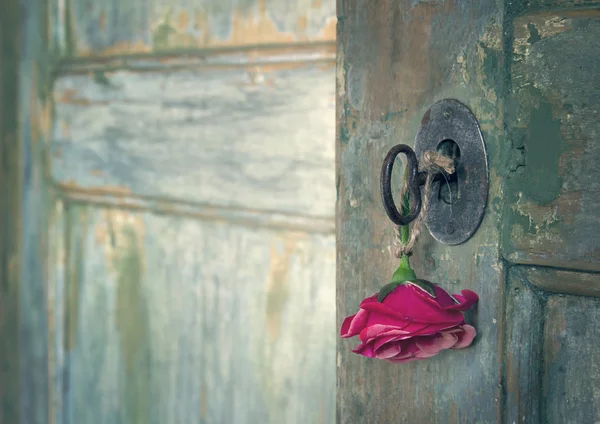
(409,318)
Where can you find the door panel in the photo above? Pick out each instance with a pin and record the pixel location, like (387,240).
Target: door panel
(394,60)
(248,137)
(554,190)
(552,365)
(194,215)
(174,319)
(528,71)
(561,281)
(572,361)
(524,350)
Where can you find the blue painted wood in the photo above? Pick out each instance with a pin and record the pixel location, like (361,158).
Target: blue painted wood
(135,26)
(206,135)
(193,321)
(195,264)
(24,131)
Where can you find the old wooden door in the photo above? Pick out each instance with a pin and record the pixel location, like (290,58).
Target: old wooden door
(530,72)
(168,241)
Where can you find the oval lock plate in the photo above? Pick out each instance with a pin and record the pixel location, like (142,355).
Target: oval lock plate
(456,206)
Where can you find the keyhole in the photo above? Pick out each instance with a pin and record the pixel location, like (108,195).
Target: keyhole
(449,190)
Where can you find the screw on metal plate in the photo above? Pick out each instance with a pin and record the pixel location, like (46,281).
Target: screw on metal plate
(457,201)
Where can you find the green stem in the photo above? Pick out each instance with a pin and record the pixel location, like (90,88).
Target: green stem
(404,271)
(404,210)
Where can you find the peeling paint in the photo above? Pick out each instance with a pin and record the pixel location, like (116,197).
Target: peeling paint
(176,26)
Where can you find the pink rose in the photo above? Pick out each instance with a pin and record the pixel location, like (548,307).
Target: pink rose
(411,324)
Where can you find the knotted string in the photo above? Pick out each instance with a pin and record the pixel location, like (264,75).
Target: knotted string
(405,238)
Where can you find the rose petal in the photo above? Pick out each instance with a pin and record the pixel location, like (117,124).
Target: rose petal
(389,350)
(444,299)
(435,344)
(425,355)
(407,354)
(410,324)
(375,331)
(354,324)
(365,350)
(465,338)
(387,337)
(465,300)
(412,309)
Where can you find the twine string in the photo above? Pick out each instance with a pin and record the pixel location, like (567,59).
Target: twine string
(431,162)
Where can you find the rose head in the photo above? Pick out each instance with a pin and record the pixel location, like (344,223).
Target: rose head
(410,323)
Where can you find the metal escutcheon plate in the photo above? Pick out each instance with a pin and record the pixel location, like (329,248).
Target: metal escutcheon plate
(454,215)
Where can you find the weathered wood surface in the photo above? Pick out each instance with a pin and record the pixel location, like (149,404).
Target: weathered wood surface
(571,360)
(193,321)
(194,262)
(561,281)
(109,27)
(554,182)
(552,362)
(24,131)
(10,215)
(394,60)
(524,350)
(215,136)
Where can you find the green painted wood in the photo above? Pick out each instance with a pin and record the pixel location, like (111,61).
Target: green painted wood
(572,360)
(552,365)
(10,216)
(527,70)
(524,350)
(553,181)
(566,282)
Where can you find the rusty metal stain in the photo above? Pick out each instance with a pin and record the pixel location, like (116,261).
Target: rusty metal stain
(115,191)
(40,113)
(203,405)
(118,232)
(97,172)
(124,250)
(277,281)
(64,128)
(76,234)
(69,96)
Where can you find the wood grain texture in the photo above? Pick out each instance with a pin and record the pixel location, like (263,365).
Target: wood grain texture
(552,363)
(24,132)
(192,321)
(111,27)
(250,138)
(394,60)
(525,313)
(10,215)
(572,360)
(554,180)
(561,281)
